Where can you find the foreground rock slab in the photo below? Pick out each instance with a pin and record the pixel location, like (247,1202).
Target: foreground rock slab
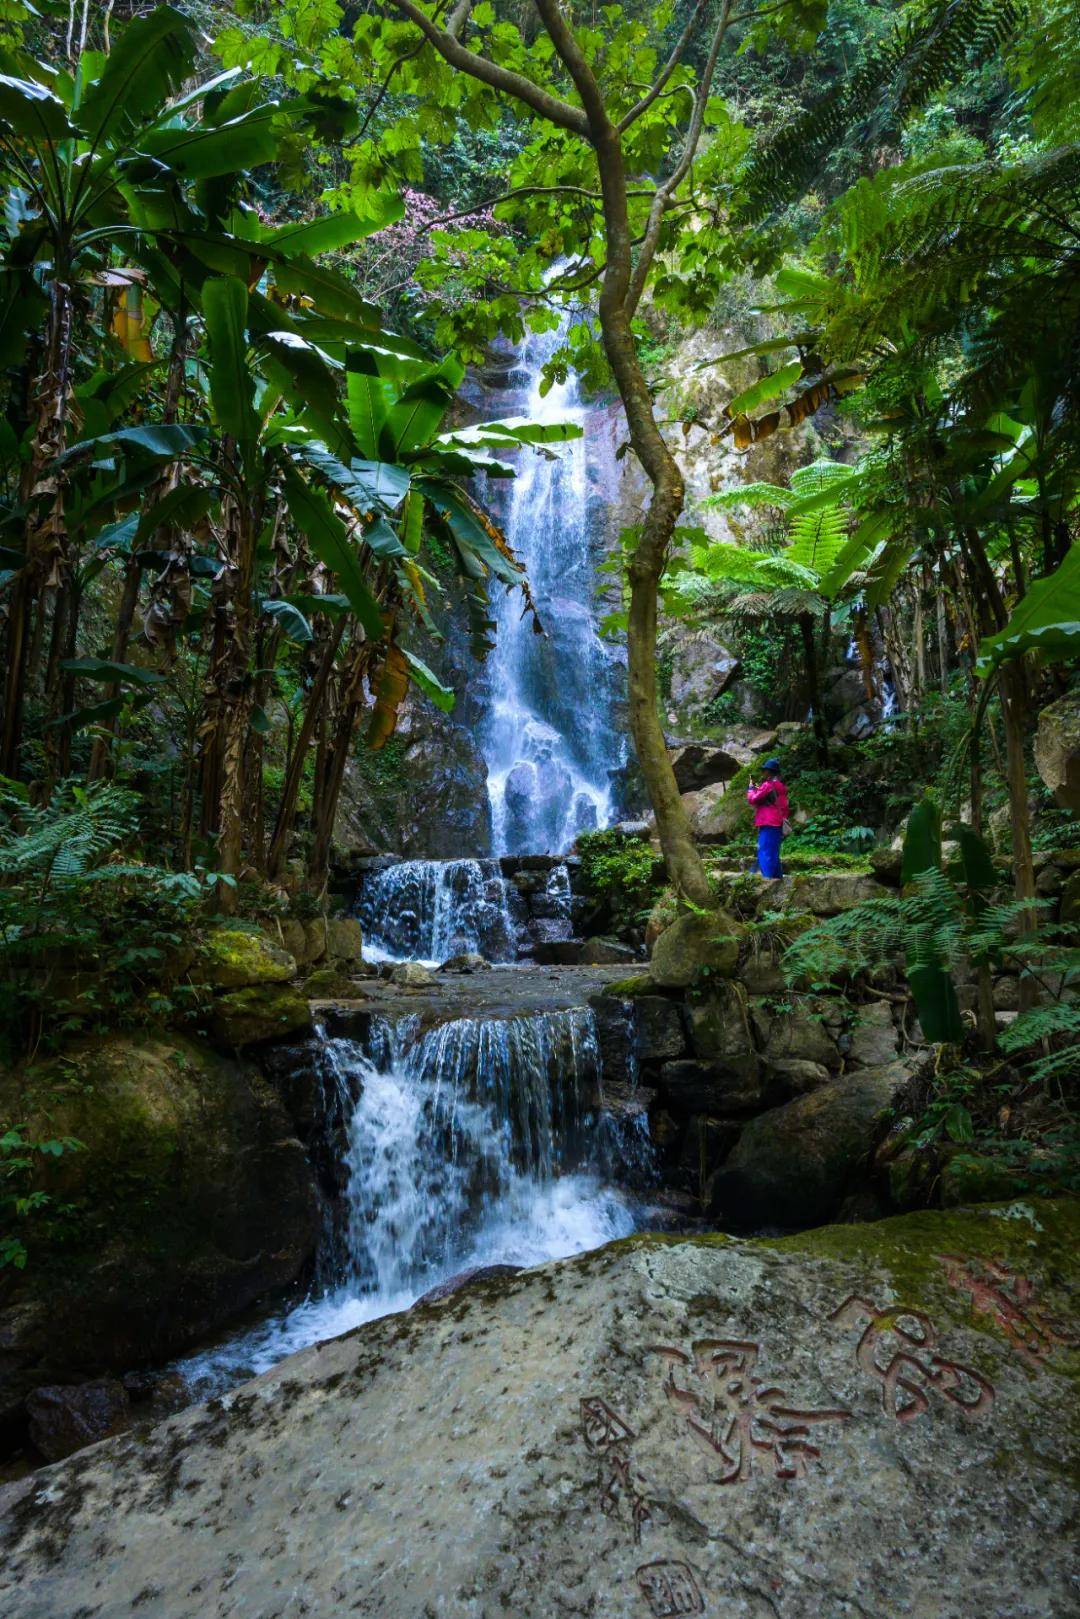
(860,1421)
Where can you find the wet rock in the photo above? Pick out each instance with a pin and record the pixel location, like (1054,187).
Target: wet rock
(761,974)
(824,893)
(873,1036)
(602,952)
(247,1017)
(1057,750)
(315,940)
(412,975)
(466,1278)
(332,984)
(344,941)
(194,1198)
(706,1144)
(797,1030)
(961,1504)
(694,946)
(843,689)
(697,764)
(694,1086)
(793,1165)
(886,865)
(659,1025)
(794,1076)
(467,961)
(63,1419)
(233,958)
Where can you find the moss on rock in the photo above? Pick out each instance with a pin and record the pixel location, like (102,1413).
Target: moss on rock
(246,1017)
(231,958)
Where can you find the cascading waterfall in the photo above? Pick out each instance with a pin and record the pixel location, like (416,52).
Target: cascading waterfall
(429,910)
(548,735)
(470,1143)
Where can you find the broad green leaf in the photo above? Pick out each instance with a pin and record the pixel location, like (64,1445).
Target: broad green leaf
(332,606)
(766,388)
(126,674)
(151,59)
(292,621)
(31,110)
(329,539)
(365,484)
(167,442)
(204,152)
(975,862)
(922,840)
(22,308)
(514,430)
(463,520)
(934,994)
(367,400)
(259,721)
(334,231)
(382,541)
(414,418)
(1046,620)
(182,507)
(429,684)
(232,386)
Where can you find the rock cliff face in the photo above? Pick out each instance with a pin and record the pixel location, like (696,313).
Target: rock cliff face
(861,1421)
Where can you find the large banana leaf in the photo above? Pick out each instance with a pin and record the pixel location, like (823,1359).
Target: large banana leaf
(232,386)
(367,400)
(128,674)
(934,994)
(472,531)
(766,388)
(414,418)
(365,484)
(922,841)
(1046,621)
(329,539)
(203,152)
(429,684)
(150,60)
(339,230)
(33,111)
(514,430)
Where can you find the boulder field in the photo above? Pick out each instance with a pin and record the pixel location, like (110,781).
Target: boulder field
(855,1423)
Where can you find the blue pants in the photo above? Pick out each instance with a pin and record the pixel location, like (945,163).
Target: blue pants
(769,839)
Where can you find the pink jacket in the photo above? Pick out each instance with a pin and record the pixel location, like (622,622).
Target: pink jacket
(774,814)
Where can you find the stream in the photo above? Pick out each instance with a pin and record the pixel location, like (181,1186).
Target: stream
(483,1141)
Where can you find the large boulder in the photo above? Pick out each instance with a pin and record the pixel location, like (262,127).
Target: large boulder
(248,1017)
(191,1196)
(824,893)
(797,1028)
(699,764)
(65,1418)
(234,958)
(696,946)
(793,1165)
(856,1421)
(702,669)
(1057,750)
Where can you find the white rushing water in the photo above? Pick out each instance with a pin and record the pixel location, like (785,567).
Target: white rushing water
(429,910)
(470,1144)
(548,735)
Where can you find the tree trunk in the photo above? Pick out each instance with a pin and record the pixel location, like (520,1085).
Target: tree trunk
(290,792)
(125,617)
(1012,682)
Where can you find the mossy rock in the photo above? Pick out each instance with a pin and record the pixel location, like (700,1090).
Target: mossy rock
(638,984)
(344,941)
(695,946)
(231,958)
(247,1017)
(190,1197)
(331,984)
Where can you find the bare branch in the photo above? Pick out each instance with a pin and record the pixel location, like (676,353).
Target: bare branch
(665,73)
(665,192)
(558,112)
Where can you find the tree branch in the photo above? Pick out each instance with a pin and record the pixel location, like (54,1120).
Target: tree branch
(666,191)
(542,102)
(668,69)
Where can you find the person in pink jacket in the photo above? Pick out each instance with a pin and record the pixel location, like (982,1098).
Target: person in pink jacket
(769,801)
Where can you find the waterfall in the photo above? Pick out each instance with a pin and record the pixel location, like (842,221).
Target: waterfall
(475,1142)
(548,735)
(429,910)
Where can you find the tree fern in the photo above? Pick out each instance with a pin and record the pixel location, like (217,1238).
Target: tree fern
(75,831)
(930,46)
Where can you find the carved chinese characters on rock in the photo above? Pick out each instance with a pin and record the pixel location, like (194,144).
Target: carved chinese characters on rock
(670,1589)
(898,1348)
(610,1438)
(1010,1298)
(734,1416)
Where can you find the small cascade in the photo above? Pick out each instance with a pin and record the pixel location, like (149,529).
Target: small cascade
(476,1142)
(430,910)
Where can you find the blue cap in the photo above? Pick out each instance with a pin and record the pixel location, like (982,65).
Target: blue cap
(772,764)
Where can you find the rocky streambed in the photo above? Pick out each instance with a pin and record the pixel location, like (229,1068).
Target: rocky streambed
(862,1420)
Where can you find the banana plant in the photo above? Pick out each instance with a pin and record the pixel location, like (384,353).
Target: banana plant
(114,173)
